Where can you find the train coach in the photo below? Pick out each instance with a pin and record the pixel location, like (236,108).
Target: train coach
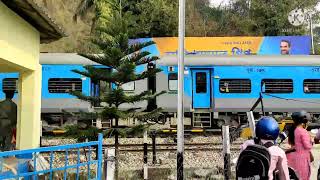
(223,88)
(217,88)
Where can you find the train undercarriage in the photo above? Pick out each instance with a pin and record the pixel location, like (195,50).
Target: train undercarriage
(200,120)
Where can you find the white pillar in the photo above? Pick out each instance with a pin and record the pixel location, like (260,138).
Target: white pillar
(29,109)
(226,152)
(252,123)
(180,111)
(145,157)
(111,152)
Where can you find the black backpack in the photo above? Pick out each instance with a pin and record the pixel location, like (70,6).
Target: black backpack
(254,162)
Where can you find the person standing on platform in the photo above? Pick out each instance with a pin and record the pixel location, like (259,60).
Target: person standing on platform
(8,122)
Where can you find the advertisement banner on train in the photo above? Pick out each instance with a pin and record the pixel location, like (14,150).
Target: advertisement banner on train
(268,45)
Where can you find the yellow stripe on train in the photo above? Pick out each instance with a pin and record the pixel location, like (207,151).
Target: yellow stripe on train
(58,131)
(174,130)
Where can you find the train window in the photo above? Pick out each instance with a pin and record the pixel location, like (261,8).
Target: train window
(201,82)
(130,86)
(277,85)
(311,85)
(235,86)
(64,85)
(9,84)
(173,81)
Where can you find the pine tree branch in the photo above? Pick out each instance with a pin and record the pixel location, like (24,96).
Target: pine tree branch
(101,59)
(138,46)
(146,60)
(84,73)
(146,95)
(83,97)
(146,74)
(131,110)
(134,131)
(117,97)
(100,75)
(126,72)
(153,96)
(135,98)
(114,97)
(135,57)
(102,43)
(74,131)
(113,56)
(112,53)
(115,31)
(113,113)
(154,116)
(81,115)
(98,72)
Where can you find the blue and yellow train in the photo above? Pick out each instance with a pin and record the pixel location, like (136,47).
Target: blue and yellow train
(217,88)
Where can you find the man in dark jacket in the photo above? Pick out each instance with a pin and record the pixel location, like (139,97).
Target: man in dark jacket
(8,121)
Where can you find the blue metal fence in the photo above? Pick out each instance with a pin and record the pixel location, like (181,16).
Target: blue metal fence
(29,164)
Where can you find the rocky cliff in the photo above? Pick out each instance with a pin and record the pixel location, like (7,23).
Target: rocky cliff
(78,32)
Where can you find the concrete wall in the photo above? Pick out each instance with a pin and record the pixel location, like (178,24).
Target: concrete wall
(19,52)
(19,41)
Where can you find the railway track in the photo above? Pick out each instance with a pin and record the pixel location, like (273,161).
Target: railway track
(175,149)
(173,144)
(172,147)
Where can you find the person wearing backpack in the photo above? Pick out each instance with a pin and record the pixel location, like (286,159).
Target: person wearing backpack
(260,158)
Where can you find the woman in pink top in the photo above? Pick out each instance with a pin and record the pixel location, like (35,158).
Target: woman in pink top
(300,141)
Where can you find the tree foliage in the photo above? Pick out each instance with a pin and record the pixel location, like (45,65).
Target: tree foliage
(159,18)
(246,17)
(148,18)
(119,57)
(271,17)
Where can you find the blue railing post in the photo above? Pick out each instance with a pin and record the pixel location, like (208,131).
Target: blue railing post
(51,165)
(89,160)
(35,165)
(1,164)
(29,155)
(65,165)
(99,170)
(78,162)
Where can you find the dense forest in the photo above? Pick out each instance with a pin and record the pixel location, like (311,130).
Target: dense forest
(159,18)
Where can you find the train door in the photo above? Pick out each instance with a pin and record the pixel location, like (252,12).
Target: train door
(201,93)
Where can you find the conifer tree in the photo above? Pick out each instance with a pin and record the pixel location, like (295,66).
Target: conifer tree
(120,56)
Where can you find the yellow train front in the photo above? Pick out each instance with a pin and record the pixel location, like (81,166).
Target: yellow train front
(283,125)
